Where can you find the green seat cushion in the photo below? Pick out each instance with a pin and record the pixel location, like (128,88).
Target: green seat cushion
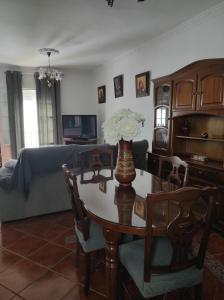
(132,257)
(96,240)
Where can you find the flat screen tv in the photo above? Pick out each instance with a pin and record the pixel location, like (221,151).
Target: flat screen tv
(79,126)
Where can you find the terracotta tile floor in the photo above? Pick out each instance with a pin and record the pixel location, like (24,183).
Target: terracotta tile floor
(37,263)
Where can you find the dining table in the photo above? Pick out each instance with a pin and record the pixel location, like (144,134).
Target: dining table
(121,211)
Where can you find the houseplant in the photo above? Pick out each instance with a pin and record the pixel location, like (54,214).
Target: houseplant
(122,128)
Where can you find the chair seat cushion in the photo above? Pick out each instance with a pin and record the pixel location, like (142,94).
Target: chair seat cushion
(96,240)
(132,257)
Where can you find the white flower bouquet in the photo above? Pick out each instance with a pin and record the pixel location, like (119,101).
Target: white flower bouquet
(124,124)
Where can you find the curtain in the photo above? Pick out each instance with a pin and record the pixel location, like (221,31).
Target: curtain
(15,110)
(49,111)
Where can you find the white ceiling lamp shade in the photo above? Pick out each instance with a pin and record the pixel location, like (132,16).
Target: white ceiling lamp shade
(48,73)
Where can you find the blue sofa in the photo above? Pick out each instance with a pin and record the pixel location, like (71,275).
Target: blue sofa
(34,184)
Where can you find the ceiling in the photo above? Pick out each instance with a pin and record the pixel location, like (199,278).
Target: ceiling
(86,32)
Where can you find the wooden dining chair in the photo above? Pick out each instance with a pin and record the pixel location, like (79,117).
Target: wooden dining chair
(173,261)
(95,160)
(174,170)
(89,234)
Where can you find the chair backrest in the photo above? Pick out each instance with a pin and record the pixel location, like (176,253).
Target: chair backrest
(186,214)
(170,168)
(95,160)
(80,217)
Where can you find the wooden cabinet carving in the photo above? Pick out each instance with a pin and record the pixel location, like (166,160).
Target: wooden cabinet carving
(196,99)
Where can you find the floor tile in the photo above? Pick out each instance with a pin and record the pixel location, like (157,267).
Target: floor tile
(42,228)
(219,292)
(66,239)
(68,268)
(78,294)
(21,274)
(49,231)
(98,280)
(5,294)
(49,255)
(220,258)
(50,286)
(27,245)
(209,285)
(7,259)
(66,219)
(9,236)
(215,244)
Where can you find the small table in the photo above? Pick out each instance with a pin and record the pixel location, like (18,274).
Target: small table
(119,211)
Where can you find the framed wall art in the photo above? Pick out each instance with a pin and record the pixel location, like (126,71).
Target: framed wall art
(103,186)
(140,207)
(142,84)
(101,94)
(118,86)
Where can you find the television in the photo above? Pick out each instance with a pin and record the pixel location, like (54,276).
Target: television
(79,126)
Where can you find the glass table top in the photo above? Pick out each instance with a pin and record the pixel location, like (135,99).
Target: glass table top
(111,202)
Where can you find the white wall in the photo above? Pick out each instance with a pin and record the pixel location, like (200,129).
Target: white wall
(198,38)
(77,94)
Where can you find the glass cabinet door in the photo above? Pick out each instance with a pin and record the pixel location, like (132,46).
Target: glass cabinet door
(161,116)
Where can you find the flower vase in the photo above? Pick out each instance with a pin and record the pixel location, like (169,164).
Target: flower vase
(125,169)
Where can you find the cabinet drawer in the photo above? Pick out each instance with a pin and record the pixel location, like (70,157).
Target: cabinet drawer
(202,174)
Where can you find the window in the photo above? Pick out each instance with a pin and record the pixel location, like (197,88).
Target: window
(30,118)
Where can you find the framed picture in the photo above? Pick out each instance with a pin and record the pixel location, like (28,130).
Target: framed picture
(118,86)
(140,207)
(103,186)
(101,94)
(142,84)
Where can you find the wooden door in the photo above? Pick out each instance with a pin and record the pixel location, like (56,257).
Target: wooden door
(184,92)
(211,88)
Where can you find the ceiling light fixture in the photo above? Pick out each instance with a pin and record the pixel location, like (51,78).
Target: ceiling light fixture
(48,73)
(111,2)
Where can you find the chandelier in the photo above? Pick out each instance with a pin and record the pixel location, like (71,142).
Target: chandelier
(48,73)
(111,2)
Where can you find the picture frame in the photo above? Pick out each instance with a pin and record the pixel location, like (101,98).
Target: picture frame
(101,91)
(103,186)
(140,207)
(142,85)
(118,86)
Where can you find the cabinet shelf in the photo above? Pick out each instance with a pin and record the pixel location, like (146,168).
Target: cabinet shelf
(199,138)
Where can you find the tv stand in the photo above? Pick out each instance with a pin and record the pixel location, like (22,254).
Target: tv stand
(83,141)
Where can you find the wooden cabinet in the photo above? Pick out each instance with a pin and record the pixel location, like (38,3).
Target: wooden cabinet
(196,99)
(199,87)
(184,92)
(211,88)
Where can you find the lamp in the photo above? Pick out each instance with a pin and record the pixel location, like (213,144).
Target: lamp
(48,73)
(111,2)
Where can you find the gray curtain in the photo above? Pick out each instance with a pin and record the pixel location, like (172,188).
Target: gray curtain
(49,111)
(15,108)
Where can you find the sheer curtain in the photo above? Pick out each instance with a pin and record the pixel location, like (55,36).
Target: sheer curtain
(15,110)
(49,111)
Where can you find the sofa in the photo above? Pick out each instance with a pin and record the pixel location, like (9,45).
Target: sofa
(34,184)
